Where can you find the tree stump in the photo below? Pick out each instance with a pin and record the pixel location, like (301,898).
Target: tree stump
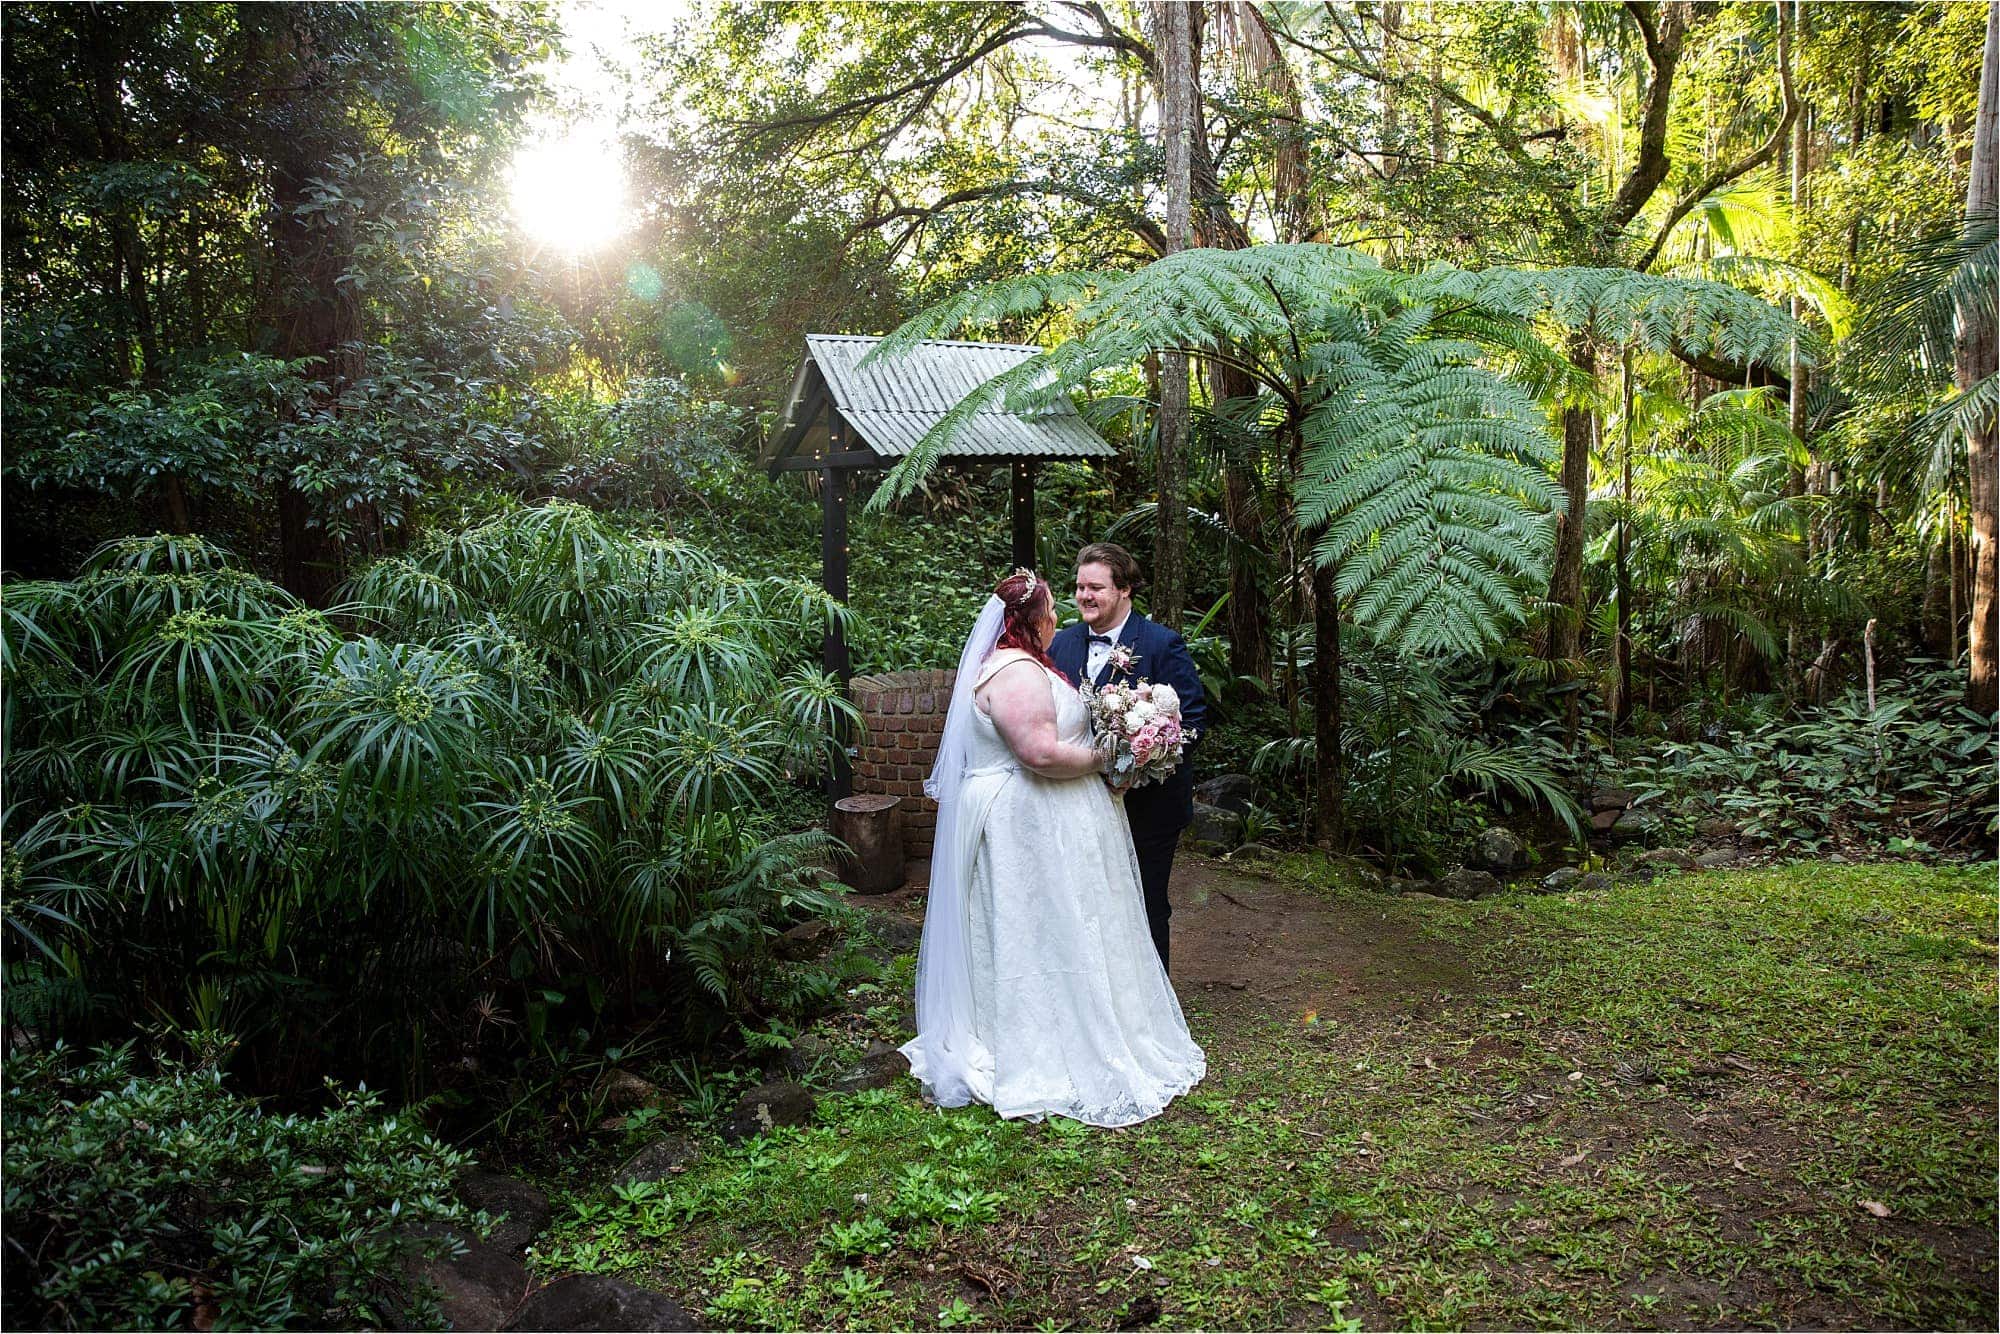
(872,827)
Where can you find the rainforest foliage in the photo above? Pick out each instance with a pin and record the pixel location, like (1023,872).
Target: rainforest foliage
(411,674)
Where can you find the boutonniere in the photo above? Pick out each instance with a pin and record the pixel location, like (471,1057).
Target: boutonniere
(1123,659)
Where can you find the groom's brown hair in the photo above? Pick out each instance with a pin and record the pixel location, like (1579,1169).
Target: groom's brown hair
(1124,569)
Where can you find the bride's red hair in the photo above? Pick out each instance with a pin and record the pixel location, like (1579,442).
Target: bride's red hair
(1025,599)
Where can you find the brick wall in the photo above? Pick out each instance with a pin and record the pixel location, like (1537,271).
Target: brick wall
(904,713)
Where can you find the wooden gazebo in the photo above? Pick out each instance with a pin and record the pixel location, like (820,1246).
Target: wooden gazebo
(841,417)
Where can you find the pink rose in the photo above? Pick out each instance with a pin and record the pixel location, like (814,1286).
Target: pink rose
(1170,733)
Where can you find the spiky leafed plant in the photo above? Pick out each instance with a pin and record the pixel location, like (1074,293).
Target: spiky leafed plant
(221,807)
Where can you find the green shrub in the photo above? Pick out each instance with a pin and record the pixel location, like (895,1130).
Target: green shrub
(1914,773)
(155,1201)
(536,771)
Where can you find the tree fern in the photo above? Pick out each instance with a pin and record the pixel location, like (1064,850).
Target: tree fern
(1429,476)
(1415,395)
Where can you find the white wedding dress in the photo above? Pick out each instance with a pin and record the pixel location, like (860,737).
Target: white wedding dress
(1071,1013)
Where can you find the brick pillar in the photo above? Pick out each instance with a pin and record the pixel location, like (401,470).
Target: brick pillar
(904,715)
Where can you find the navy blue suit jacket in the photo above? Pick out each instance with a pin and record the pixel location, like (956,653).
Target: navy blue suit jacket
(1157,810)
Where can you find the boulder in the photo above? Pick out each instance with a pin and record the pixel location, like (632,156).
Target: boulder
(1612,798)
(623,1091)
(477,1288)
(1715,827)
(1466,884)
(782,1102)
(597,1301)
(1561,879)
(898,934)
(519,1210)
(1231,792)
(1601,821)
(1499,850)
(1409,885)
(1254,852)
(1215,829)
(881,1066)
(657,1160)
(1356,871)
(1716,857)
(1635,824)
(1592,882)
(1661,859)
(807,940)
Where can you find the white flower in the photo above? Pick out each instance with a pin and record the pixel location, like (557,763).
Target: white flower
(1165,699)
(1142,710)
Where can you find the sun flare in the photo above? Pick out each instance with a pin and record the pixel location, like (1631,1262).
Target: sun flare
(569,191)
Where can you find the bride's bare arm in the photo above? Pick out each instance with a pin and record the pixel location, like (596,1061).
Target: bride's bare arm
(1022,709)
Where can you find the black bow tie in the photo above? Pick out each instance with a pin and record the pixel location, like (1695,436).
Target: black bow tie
(1100,639)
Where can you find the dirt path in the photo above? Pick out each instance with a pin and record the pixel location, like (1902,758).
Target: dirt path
(1242,934)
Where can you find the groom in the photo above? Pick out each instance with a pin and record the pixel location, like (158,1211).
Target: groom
(1106,578)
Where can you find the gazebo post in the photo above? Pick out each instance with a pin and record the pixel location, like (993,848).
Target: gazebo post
(1024,514)
(833,578)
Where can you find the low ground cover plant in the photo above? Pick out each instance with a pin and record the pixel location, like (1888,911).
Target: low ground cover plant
(163,1198)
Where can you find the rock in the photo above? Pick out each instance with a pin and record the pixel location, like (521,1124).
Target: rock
(1424,894)
(1715,827)
(1601,822)
(1215,829)
(807,940)
(782,1102)
(1254,852)
(1561,879)
(1635,824)
(597,1301)
(1466,884)
(657,1161)
(1499,850)
(476,1289)
(875,1070)
(1231,792)
(898,934)
(623,1091)
(1662,858)
(1592,882)
(526,1209)
(1612,798)
(1715,857)
(1360,873)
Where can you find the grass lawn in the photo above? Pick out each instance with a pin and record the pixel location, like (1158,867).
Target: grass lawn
(1760,1098)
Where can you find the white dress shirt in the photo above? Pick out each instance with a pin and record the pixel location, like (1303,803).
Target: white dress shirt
(1093,662)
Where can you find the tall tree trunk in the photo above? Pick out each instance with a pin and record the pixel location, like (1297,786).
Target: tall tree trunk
(1623,650)
(1938,633)
(1249,605)
(1391,157)
(1330,779)
(1177,109)
(309,312)
(1565,642)
(1975,355)
(1795,406)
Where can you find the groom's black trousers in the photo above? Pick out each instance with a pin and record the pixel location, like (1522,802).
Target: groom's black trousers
(1156,863)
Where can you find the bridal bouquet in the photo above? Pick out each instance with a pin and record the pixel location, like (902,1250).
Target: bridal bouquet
(1141,724)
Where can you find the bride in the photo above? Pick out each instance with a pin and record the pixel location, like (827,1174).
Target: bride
(1039,991)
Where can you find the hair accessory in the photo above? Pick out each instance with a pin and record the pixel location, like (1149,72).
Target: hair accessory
(1029,591)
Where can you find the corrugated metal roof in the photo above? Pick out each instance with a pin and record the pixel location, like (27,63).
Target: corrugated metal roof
(894,402)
